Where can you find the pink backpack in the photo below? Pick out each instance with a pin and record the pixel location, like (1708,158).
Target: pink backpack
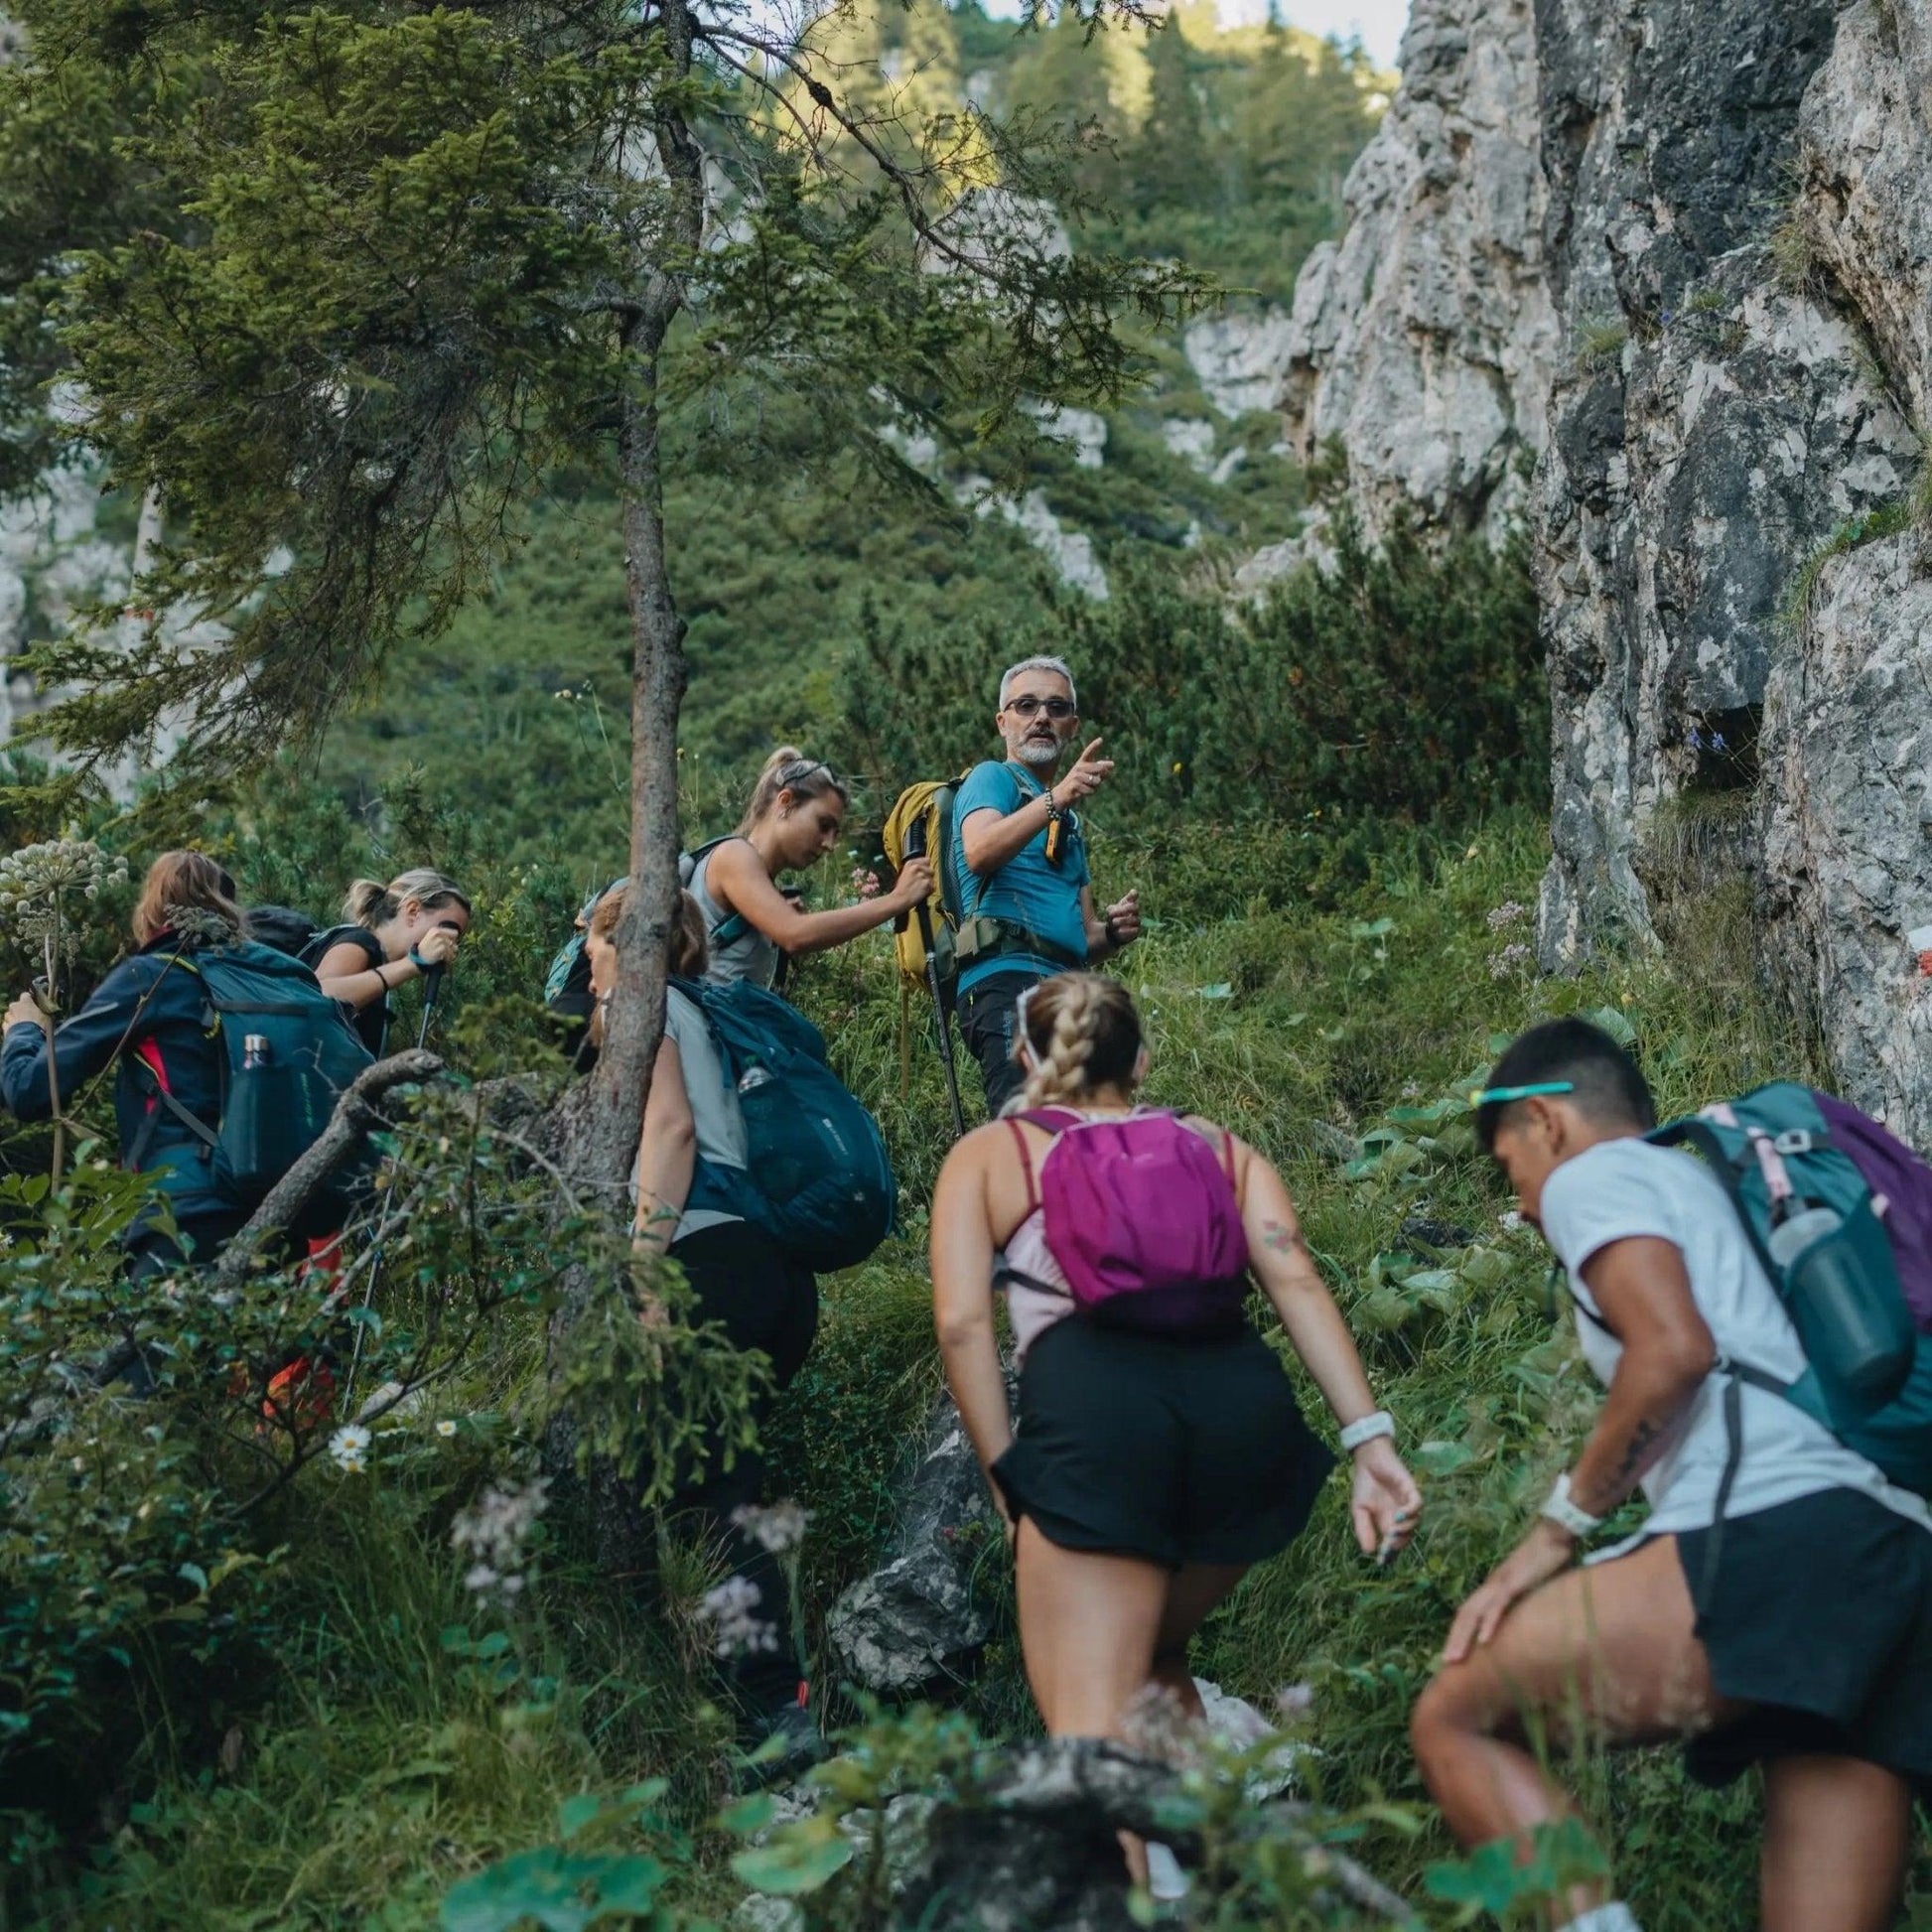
(1142,1219)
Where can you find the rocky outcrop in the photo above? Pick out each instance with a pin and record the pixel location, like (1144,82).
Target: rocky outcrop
(1683,251)
(55,559)
(1846,815)
(1729,545)
(1039,1847)
(1707,432)
(1863,215)
(1848,854)
(1423,340)
(918,1622)
(1691,472)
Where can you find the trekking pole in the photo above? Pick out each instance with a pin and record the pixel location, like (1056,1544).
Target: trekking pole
(939,1019)
(434,977)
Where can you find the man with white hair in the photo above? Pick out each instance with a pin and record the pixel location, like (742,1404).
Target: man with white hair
(1020,862)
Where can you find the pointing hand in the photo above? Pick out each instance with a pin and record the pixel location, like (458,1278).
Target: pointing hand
(1090,772)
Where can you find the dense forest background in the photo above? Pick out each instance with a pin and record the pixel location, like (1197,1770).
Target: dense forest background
(1227,150)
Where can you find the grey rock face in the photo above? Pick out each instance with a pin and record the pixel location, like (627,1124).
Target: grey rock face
(918,1621)
(1684,479)
(1848,825)
(1689,476)
(1424,338)
(1708,304)
(1864,213)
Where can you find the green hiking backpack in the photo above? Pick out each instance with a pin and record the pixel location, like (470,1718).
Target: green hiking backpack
(288,1054)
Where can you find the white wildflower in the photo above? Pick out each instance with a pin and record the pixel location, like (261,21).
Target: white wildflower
(779,1527)
(446,1428)
(1505,916)
(349,1446)
(1513,957)
(495,1531)
(734,1630)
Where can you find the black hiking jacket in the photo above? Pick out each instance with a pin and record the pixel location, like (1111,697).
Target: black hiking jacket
(143,1010)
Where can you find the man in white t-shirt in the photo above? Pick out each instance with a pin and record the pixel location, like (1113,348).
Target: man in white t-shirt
(1796,1632)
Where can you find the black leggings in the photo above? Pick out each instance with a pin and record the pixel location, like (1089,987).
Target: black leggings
(766,1301)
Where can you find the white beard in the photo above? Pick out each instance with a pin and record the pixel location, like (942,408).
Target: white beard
(1034,752)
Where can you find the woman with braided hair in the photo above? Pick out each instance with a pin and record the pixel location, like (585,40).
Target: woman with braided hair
(1160,1450)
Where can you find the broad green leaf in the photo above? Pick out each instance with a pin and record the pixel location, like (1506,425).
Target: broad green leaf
(792,1865)
(585,1808)
(1613,1021)
(750,1814)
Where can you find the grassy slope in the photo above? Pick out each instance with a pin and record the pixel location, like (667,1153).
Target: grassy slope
(383,1766)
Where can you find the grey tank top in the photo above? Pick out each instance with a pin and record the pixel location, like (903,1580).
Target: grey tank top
(748,954)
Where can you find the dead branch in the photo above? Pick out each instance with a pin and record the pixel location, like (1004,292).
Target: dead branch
(357,1116)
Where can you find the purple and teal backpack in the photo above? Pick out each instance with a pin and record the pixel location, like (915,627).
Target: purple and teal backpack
(1840,1213)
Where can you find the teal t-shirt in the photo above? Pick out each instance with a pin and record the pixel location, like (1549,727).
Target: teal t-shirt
(1026,891)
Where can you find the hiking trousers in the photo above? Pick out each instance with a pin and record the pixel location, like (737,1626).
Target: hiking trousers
(988,1020)
(766,1301)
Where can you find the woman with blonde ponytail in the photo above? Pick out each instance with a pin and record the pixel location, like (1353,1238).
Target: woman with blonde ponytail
(1160,1450)
(390,934)
(795,816)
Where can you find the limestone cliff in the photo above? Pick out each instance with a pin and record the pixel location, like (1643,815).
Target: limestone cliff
(1423,340)
(1718,343)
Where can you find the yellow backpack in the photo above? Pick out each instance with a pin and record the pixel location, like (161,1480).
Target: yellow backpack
(919,826)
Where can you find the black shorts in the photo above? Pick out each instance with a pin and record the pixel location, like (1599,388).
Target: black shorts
(1820,1614)
(1144,1445)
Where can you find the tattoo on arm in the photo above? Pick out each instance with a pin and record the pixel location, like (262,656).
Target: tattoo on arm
(1641,1436)
(1282,1240)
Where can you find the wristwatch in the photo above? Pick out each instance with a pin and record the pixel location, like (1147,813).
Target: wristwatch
(1566,1515)
(1365,1429)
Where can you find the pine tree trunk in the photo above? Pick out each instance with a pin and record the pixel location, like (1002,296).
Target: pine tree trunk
(600,1125)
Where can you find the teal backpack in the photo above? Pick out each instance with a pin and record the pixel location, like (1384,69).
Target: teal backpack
(564,960)
(1839,1214)
(288,1054)
(820,1182)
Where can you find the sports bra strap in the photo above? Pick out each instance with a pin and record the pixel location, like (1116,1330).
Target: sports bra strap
(1025,1166)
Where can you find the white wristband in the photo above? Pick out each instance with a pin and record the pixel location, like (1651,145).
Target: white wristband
(1365,1430)
(1568,1515)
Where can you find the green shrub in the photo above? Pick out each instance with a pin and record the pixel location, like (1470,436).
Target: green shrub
(1403,684)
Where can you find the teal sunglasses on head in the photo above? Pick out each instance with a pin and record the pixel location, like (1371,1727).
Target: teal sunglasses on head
(1498,1096)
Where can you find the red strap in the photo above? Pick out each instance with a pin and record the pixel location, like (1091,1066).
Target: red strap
(149,1054)
(1227,1159)
(1025,1166)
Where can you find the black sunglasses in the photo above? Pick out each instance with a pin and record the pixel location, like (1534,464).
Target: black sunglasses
(1054,708)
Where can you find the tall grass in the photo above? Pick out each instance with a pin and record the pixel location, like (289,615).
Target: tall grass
(380,1764)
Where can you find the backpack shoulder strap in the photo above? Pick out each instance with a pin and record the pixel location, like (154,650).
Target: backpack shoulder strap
(733,926)
(323,944)
(1698,1133)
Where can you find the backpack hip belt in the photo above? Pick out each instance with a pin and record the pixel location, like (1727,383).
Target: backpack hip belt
(984,937)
